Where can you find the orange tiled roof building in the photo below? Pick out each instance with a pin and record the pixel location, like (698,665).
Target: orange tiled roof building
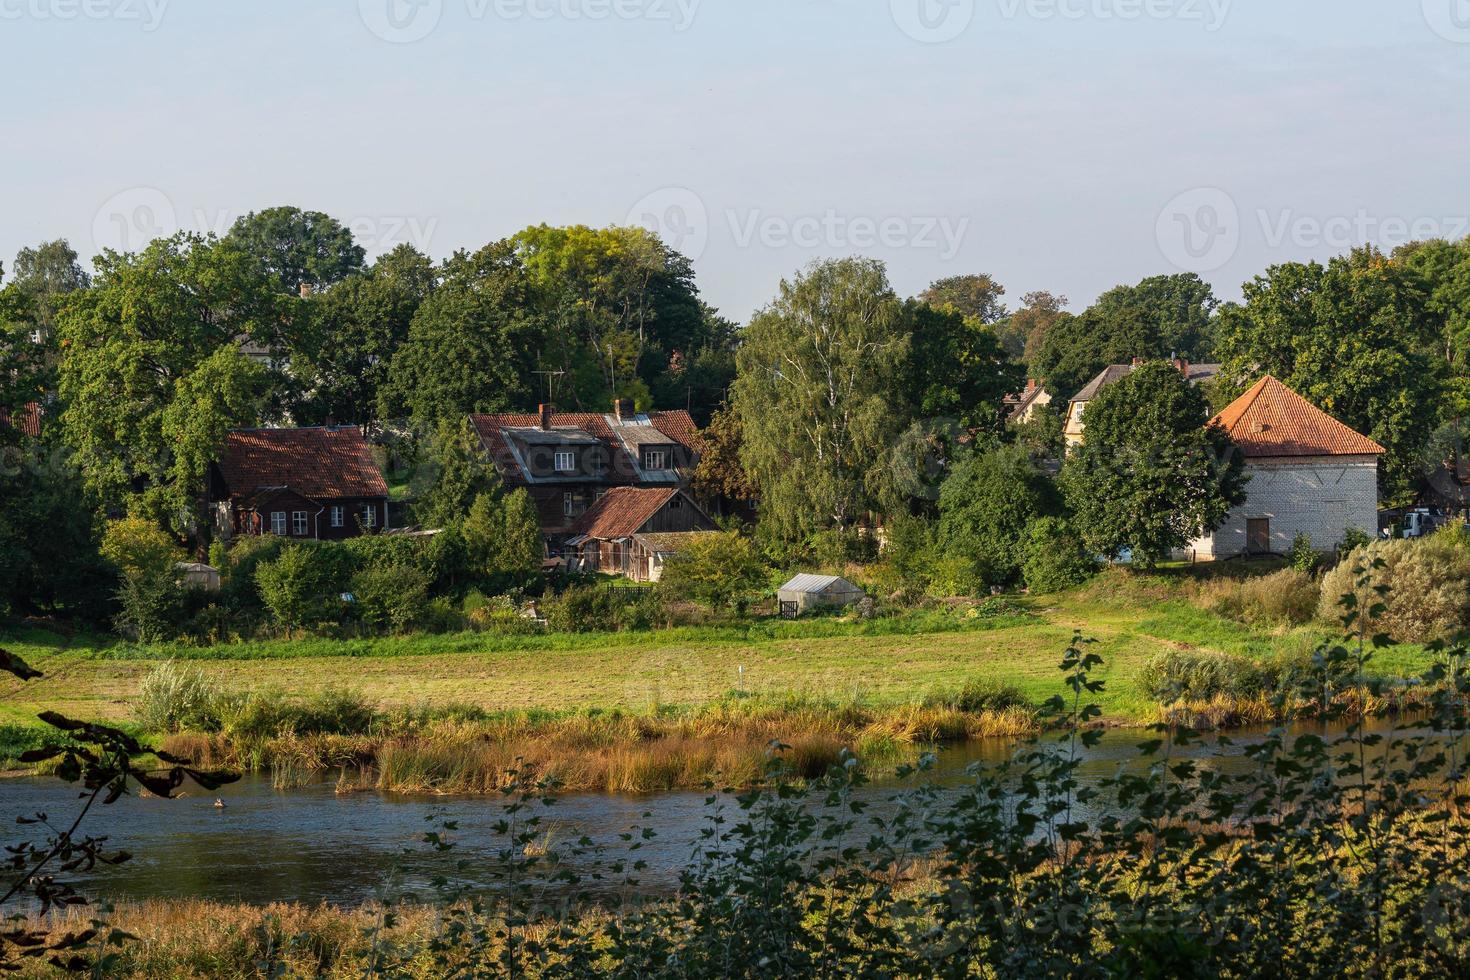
(1309,474)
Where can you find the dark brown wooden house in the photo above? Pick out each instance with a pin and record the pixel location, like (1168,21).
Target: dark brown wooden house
(319,483)
(630,531)
(568,461)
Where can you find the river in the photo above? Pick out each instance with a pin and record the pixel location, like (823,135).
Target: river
(311,845)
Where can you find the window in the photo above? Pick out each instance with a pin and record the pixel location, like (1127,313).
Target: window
(298,523)
(278,522)
(566,462)
(655,459)
(568,504)
(339,514)
(370,516)
(677,503)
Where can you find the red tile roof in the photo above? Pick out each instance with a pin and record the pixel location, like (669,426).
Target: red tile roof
(318,463)
(621,512)
(1272,420)
(30,420)
(678,426)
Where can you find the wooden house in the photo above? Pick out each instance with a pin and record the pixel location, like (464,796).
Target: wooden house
(632,531)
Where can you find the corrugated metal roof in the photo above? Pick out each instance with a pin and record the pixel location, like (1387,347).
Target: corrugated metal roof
(819,583)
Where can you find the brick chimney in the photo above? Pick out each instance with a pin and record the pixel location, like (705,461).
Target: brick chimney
(623,409)
(546,410)
(1030,385)
(1137,361)
(1182,363)
(306,290)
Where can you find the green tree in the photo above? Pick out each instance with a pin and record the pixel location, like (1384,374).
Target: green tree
(619,299)
(718,570)
(144,557)
(461,474)
(974,297)
(957,369)
(1023,331)
(472,346)
(503,536)
(720,475)
(1056,556)
(131,343)
(1151,476)
(301,587)
(297,247)
(819,389)
(1161,317)
(986,505)
(47,274)
(1353,337)
(358,326)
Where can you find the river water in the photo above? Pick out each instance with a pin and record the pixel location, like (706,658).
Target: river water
(312,845)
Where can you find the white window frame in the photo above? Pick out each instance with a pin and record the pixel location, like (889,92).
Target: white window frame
(676,502)
(565,461)
(370,516)
(656,459)
(278,523)
(339,515)
(300,523)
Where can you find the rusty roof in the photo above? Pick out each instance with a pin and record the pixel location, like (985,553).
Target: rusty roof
(30,420)
(622,512)
(1272,420)
(674,427)
(318,462)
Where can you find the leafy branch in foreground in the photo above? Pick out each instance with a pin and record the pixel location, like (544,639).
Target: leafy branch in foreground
(99,758)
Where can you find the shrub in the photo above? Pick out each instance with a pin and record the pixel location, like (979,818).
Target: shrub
(1353,539)
(598,608)
(717,570)
(1056,557)
(173,698)
(1303,556)
(149,605)
(986,506)
(301,588)
(1191,676)
(979,696)
(390,598)
(1288,597)
(1430,580)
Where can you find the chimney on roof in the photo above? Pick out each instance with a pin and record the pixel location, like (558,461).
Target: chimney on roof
(623,409)
(1030,385)
(1182,363)
(306,290)
(1137,361)
(546,409)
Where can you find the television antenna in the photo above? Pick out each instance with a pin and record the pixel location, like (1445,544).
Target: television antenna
(550,377)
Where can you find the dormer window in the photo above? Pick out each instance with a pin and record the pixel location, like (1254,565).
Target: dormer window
(655,459)
(566,462)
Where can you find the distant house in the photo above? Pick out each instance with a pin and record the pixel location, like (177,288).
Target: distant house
(27,421)
(568,461)
(632,531)
(1111,375)
(1021,408)
(320,483)
(807,592)
(1309,474)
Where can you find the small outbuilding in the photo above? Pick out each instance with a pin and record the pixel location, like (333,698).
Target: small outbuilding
(195,575)
(807,592)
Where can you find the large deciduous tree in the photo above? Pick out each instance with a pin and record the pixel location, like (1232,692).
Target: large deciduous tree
(1160,317)
(472,346)
(132,345)
(957,369)
(820,393)
(298,247)
(976,297)
(1353,337)
(985,506)
(47,273)
(1151,475)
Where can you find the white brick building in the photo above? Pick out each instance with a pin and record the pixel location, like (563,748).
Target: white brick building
(1309,474)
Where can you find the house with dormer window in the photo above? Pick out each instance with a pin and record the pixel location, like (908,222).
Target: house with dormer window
(569,461)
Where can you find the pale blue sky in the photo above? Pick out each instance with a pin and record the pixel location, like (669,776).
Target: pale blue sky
(1047,143)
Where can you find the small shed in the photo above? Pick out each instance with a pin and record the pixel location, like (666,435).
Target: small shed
(195,575)
(806,592)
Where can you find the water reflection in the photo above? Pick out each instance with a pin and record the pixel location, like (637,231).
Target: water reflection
(311,845)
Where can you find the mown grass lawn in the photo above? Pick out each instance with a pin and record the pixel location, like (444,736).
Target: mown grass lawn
(880,661)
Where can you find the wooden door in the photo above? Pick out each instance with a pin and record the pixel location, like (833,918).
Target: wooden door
(1258,535)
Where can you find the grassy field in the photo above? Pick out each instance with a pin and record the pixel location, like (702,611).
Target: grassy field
(880,661)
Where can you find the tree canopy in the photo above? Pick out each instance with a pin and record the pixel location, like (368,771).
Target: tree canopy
(1151,476)
(298,247)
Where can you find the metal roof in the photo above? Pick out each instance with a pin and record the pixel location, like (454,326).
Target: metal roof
(819,583)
